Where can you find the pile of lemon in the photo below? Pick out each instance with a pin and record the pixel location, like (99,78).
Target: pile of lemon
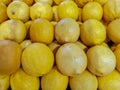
(60,44)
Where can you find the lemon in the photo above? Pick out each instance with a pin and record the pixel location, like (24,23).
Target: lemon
(71,59)
(41,10)
(102,2)
(67,30)
(101,60)
(111,10)
(55,13)
(92,10)
(110,81)
(25,44)
(22,81)
(54,80)
(117,54)
(14,30)
(84,81)
(6,2)
(46,1)
(37,59)
(28,2)
(68,9)
(41,30)
(3,14)
(81,3)
(113,29)
(18,10)
(92,32)
(4,82)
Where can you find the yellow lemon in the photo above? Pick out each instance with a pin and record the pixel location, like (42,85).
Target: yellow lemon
(41,10)
(25,44)
(68,9)
(18,10)
(37,59)
(71,59)
(54,80)
(117,54)
(92,32)
(81,3)
(92,10)
(101,60)
(22,81)
(67,30)
(55,13)
(102,2)
(45,1)
(4,82)
(28,2)
(113,29)
(14,30)
(6,2)
(111,10)
(84,81)
(10,54)
(110,81)
(42,30)
(3,12)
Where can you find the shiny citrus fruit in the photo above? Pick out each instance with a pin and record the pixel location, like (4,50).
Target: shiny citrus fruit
(4,82)
(18,10)
(25,44)
(22,81)
(111,10)
(81,3)
(67,30)
(84,81)
(41,30)
(3,12)
(113,29)
(54,80)
(102,2)
(68,9)
(28,2)
(37,59)
(10,53)
(92,32)
(45,1)
(41,10)
(110,81)
(92,10)
(71,59)
(14,30)
(101,60)
(6,2)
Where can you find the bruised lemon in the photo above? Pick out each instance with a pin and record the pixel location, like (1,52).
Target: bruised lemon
(59,81)
(22,81)
(37,59)
(71,59)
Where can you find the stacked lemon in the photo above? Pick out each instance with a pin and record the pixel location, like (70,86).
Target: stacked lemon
(59,44)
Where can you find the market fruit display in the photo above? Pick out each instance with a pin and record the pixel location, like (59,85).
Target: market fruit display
(59,44)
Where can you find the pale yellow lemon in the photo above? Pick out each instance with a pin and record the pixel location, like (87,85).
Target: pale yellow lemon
(41,10)
(102,2)
(14,30)
(71,59)
(84,81)
(4,82)
(41,30)
(3,12)
(25,44)
(22,81)
(92,32)
(113,29)
(54,80)
(45,1)
(101,60)
(55,13)
(111,10)
(10,54)
(110,81)
(68,9)
(37,59)
(92,10)
(67,30)
(28,2)
(18,10)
